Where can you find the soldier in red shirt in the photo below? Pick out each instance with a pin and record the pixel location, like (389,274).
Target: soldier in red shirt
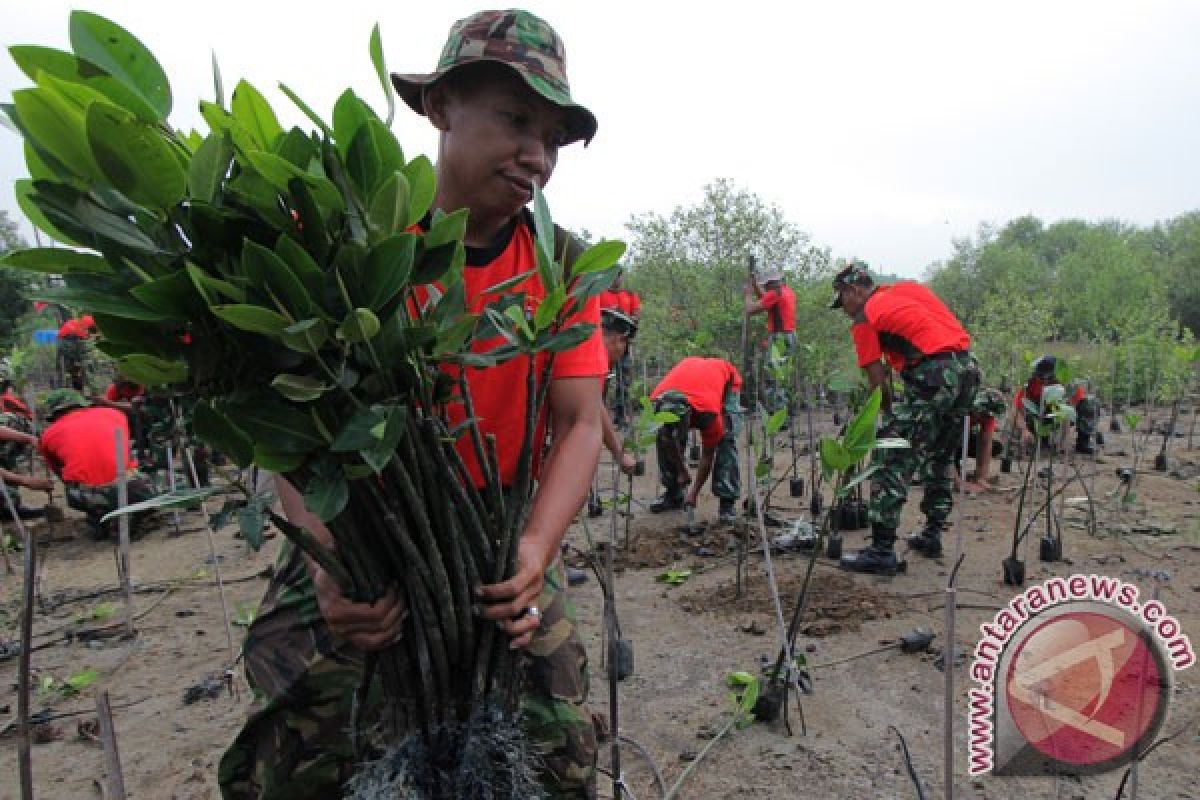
(1087,409)
(777,300)
(705,393)
(628,303)
(79,445)
(501,107)
(72,349)
(922,340)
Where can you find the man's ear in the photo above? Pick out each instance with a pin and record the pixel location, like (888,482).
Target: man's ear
(436,100)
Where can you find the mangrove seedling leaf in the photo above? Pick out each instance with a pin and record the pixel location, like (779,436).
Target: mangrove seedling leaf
(775,421)
(373,155)
(388,211)
(251,521)
(252,111)
(180,498)
(222,434)
(360,325)
(327,492)
(376,50)
(209,167)
(121,55)
(135,157)
(152,370)
(422,183)
(252,318)
(56,260)
(598,257)
(298,388)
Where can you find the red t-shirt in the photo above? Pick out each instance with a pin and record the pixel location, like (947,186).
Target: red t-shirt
(703,382)
(14,405)
(81,447)
(780,304)
(73,327)
(498,393)
(906,321)
(123,393)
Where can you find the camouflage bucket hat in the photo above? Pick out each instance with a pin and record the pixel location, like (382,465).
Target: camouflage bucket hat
(61,400)
(517,39)
(990,402)
(853,274)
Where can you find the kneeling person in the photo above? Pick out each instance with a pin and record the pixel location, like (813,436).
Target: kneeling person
(705,393)
(79,446)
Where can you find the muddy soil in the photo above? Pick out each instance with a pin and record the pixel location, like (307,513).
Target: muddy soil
(686,638)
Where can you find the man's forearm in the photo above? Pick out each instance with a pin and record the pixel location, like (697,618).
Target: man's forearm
(612,441)
(566,480)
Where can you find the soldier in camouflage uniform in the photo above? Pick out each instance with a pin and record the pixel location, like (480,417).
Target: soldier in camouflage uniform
(777,301)
(500,101)
(1087,408)
(705,393)
(927,345)
(79,446)
(16,439)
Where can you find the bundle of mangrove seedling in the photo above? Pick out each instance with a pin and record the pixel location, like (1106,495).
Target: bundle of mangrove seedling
(298,286)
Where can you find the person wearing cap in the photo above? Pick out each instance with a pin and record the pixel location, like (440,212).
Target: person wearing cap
(500,103)
(79,446)
(72,348)
(705,394)
(629,303)
(910,327)
(619,330)
(1044,372)
(777,300)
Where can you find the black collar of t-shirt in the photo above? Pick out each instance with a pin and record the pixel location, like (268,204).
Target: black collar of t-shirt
(485,255)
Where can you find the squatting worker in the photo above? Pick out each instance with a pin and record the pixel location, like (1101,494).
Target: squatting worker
(777,300)
(921,339)
(1087,408)
(501,106)
(705,393)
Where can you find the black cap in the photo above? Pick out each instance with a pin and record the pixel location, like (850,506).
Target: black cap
(1045,366)
(617,322)
(853,274)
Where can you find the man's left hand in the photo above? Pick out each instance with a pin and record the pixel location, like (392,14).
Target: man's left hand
(509,603)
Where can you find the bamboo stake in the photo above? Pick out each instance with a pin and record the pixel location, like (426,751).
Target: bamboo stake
(114,781)
(30,574)
(171,484)
(951,603)
(212,552)
(123,530)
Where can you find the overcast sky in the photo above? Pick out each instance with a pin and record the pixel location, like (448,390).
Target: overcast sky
(883,129)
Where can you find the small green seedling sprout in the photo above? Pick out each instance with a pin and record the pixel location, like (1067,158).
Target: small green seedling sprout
(746,689)
(674,577)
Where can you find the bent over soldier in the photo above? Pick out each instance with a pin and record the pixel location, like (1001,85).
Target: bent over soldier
(921,338)
(705,393)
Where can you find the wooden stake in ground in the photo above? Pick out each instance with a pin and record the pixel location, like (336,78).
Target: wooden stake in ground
(951,609)
(24,764)
(123,528)
(114,781)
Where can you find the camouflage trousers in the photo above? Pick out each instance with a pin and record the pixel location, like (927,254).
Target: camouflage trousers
(938,393)
(72,358)
(780,351)
(726,474)
(296,743)
(96,501)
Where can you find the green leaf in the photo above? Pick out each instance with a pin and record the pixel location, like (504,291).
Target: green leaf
(66,67)
(357,434)
(211,288)
(422,182)
(547,310)
(298,388)
(118,52)
(511,283)
(306,336)
(222,434)
(565,340)
(272,424)
(388,212)
(252,111)
(446,228)
(254,319)
(860,433)
(349,113)
(280,173)
(209,167)
(24,191)
(835,457)
(271,272)
(543,225)
(55,125)
(775,421)
(598,257)
(302,264)
(55,260)
(251,520)
(218,84)
(376,49)
(79,681)
(135,157)
(360,325)
(451,339)
(116,305)
(152,370)
(373,155)
(327,492)
(858,478)
(388,267)
(308,112)
(180,498)
(388,435)
(276,461)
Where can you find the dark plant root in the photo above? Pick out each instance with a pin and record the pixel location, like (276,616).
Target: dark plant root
(487,758)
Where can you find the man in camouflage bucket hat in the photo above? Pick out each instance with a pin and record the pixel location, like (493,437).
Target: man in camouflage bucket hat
(500,102)
(921,339)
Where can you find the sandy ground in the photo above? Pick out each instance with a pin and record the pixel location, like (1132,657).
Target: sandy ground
(686,640)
